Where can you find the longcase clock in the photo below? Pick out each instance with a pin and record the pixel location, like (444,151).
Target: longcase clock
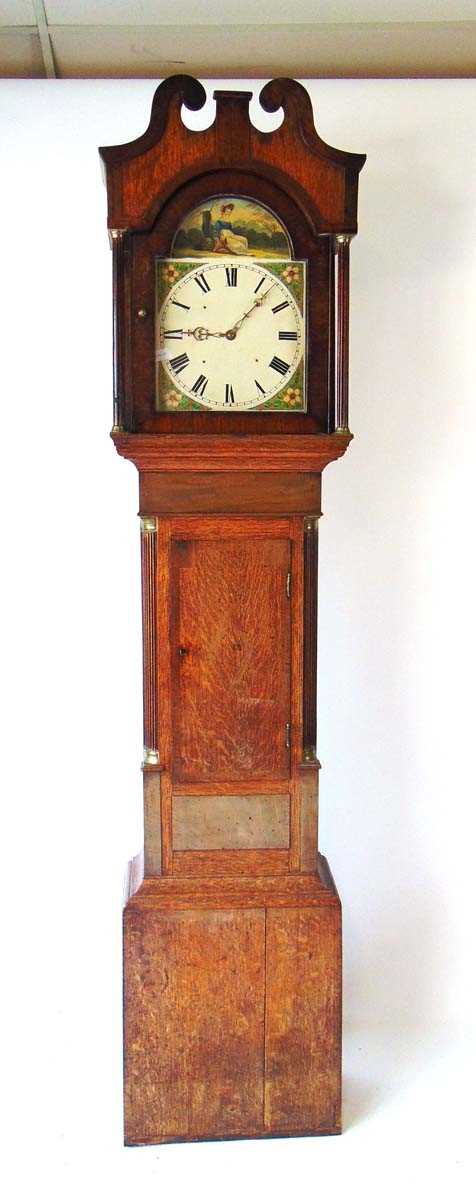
(231,282)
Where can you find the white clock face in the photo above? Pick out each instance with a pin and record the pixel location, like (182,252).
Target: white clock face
(230,333)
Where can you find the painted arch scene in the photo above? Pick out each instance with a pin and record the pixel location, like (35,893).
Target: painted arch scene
(232,226)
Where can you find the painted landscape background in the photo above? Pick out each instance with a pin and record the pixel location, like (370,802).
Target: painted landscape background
(265,235)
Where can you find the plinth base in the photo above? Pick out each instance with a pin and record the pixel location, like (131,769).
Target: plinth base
(232,1008)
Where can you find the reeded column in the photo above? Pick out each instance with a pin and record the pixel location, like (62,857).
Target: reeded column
(117,244)
(149,638)
(343,241)
(310,639)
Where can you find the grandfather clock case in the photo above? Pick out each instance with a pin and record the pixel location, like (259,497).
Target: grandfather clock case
(231,298)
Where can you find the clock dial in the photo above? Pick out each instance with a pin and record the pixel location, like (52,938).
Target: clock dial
(230,335)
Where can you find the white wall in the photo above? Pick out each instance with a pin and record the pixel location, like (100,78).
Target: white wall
(396,633)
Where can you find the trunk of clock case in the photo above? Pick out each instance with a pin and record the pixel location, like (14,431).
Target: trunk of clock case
(232,944)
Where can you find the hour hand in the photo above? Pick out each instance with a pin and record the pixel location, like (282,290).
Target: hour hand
(200,333)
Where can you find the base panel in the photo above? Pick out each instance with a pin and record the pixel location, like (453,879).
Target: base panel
(232,1008)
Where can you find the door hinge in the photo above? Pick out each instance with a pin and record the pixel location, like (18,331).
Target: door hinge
(288,585)
(287,740)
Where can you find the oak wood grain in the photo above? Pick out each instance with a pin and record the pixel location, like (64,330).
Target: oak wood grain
(194,1068)
(283,890)
(262,1061)
(224,863)
(209,528)
(231,690)
(309,812)
(228,492)
(232,787)
(213,452)
(152,823)
(303,1019)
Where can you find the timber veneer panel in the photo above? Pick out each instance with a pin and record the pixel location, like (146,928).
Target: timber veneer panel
(232,1008)
(239,492)
(226,863)
(307,890)
(303,1019)
(194,1066)
(231,689)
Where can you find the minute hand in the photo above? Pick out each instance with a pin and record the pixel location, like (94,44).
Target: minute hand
(256,304)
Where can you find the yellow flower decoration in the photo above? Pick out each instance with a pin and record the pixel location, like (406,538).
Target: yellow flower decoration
(172,399)
(170,274)
(292,397)
(291,274)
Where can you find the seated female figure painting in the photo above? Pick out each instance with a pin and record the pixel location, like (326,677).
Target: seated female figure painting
(231,226)
(227,242)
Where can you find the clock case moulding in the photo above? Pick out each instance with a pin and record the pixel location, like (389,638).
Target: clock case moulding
(232,957)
